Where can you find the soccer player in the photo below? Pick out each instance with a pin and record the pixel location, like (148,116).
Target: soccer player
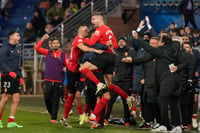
(73,69)
(11,77)
(54,74)
(105,61)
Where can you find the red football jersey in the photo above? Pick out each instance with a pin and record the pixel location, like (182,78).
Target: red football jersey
(102,35)
(72,62)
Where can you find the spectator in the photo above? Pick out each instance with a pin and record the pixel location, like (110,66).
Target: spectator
(67,14)
(196,35)
(173,32)
(38,22)
(29,34)
(172,26)
(73,8)
(48,28)
(5,8)
(186,9)
(55,14)
(181,31)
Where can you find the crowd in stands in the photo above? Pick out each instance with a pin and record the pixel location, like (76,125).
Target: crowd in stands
(44,22)
(5,7)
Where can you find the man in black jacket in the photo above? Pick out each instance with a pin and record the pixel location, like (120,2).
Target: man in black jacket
(186,9)
(122,75)
(11,77)
(150,104)
(167,80)
(187,92)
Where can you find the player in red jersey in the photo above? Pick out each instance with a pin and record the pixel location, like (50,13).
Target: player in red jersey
(105,62)
(73,73)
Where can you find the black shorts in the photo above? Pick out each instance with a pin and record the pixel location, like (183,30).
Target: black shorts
(105,62)
(81,86)
(10,85)
(90,91)
(73,80)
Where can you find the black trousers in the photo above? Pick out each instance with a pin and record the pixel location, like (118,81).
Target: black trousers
(169,103)
(125,87)
(151,111)
(52,96)
(186,106)
(189,17)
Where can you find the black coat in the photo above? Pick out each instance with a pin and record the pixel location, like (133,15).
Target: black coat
(150,86)
(123,71)
(187,70)
(168,82)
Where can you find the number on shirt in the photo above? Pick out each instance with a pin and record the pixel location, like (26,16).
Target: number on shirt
(6,84)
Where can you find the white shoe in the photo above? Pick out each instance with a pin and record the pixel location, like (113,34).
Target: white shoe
(130,101)
(194,122)
(100,87)
(176,129)
(160,129)
(65,123)
(156,126)
(71,112)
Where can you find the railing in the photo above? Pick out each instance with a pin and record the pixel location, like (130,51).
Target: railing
(164,5)
(68,28)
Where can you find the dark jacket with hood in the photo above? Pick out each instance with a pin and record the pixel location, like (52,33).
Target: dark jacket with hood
(123,70)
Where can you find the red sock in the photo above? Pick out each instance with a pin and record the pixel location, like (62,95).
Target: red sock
(90,75)
(99,106)
(66,94)
(1,116)
(118,91)
(194,116)
(106,109)
(68,106)
(98,117)
(11,119)
(133,109)
(140,109)
(87,109)
(80,110)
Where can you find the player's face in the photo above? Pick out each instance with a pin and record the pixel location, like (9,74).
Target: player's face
(16,38)
(55,45)
(121,43)
(187,48)
(94,21)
